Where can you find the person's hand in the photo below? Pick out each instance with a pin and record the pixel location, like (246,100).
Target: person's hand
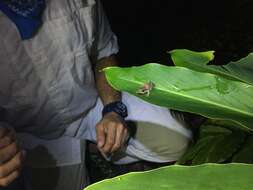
(111,133)
(11,157)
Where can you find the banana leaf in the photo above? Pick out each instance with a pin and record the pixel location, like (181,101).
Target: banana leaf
(240,70)
(207,135)
(245,155)
(194,150)
(201,177)
(215,145)
(225,124)
(207,130)
(219,148)
(187,90)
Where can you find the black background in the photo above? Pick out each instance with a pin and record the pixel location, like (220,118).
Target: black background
(146,30)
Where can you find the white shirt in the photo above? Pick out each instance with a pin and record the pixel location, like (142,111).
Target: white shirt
(47,82)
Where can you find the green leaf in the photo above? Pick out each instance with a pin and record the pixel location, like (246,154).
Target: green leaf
(219,148)
(240,70)
(215,144)
(213,130)
(245,155)
(225,124)
(186,90)
(192,59)
(194,150)
(208,135)
(202,177)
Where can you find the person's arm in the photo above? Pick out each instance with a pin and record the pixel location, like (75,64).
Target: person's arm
(111,130)
(106,92)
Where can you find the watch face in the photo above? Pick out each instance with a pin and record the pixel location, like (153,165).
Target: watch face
(122,108)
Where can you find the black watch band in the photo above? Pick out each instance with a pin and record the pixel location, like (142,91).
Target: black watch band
(117,107)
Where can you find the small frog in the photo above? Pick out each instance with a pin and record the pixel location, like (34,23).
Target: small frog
(146,88)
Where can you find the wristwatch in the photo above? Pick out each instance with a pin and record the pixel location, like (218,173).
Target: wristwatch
(117,107)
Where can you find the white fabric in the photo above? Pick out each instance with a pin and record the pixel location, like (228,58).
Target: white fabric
(47,82)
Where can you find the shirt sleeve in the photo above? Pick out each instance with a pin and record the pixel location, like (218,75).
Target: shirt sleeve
(107,43)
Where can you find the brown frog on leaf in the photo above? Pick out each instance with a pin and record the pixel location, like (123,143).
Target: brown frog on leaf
(146,88)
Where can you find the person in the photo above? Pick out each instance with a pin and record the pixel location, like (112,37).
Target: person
(54,97)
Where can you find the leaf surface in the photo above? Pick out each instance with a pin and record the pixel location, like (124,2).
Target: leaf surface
(245,155)
(202,177)
(215,145)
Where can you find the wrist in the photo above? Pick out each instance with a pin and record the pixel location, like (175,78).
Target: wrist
(117,107)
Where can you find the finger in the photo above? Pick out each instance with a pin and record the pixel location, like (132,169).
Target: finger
(8,152)
(10,178)
(100,135)
(118,138)
(7,139)
(110,138)
(14,164)
(125,136)
(3,131)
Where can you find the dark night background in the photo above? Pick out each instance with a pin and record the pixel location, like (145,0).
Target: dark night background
(146,30)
